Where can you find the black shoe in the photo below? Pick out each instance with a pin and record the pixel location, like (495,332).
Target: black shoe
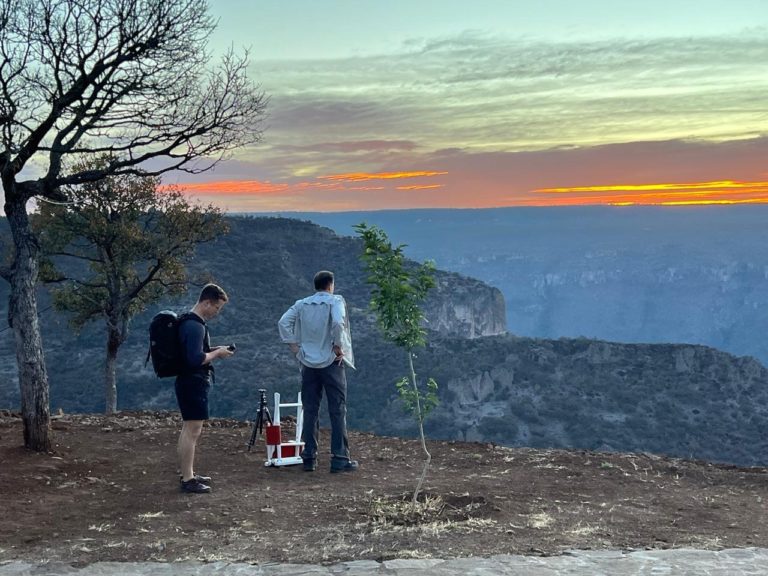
(310,465)
(348,466)
(195,486)
(203,479)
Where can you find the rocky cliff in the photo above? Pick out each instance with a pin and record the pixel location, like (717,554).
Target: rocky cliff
(673,399)
(463,307)
(687,401)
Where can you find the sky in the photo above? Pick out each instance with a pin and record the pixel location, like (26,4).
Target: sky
(421,103)
(394,104)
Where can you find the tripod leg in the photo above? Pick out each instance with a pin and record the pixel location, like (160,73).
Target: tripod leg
(252,440)
(262,417)
(256,425)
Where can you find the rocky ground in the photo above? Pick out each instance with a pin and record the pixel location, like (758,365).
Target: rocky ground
(110,492)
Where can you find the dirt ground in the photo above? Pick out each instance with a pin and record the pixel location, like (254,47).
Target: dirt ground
(110,491)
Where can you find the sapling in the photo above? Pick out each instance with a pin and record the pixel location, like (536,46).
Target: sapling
(398,290)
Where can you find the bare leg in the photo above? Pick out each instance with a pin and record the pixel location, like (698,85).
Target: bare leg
(190,433)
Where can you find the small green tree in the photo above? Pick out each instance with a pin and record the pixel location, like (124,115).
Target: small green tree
(397,293)
(119,246)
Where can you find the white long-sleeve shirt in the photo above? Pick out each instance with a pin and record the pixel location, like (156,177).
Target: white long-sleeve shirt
(316,324)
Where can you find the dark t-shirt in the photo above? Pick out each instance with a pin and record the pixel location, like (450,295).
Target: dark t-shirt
(195,343)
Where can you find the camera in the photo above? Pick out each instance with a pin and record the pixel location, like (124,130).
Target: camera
(231,347)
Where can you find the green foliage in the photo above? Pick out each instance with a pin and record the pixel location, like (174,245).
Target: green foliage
(120,244)
(397,289)
(396,296)
(412,400)
(397,292)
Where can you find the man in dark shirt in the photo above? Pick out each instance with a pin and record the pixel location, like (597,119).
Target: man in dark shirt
(193,383)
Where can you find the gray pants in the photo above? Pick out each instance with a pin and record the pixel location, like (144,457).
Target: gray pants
(333,380)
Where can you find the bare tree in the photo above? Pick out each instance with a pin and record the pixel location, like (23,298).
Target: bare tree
(129,78)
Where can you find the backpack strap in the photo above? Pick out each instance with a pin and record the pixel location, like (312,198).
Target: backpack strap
(190,316)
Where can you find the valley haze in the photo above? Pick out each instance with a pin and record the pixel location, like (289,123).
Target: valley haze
(695,275)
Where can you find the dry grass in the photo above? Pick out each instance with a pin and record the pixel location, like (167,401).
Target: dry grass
(404,512)
(540,520)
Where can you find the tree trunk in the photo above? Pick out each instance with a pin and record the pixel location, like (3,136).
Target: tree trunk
(110,367)
(428,456)
(33,378)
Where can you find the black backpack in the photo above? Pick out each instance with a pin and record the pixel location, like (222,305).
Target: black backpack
(164,345)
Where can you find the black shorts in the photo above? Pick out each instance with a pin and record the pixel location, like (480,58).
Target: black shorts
(192,396)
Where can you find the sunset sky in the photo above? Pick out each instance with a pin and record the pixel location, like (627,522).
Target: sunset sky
(380,104)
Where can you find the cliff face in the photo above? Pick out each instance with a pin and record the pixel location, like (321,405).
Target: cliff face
(680,400)
(466,308)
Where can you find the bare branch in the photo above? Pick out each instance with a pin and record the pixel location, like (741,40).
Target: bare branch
(129,77)
(79,256)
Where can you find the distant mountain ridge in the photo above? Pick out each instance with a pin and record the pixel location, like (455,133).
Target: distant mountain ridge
(580,393)
(264,265)
(696,275)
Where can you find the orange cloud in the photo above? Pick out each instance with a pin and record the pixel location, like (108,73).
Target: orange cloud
(719,184)
(664,194)
(422,187)
(332,182)
(358,191)
(232,187)
(359,176)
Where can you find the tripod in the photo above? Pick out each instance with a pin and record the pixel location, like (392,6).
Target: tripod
(263,414)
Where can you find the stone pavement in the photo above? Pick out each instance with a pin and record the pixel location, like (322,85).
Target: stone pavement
(680,562)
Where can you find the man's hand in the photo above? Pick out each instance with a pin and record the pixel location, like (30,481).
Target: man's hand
(339,353)
(224,352)
(294,348)
(216,353)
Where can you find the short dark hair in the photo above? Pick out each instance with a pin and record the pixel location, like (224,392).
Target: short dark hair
(323,280)
(213,293)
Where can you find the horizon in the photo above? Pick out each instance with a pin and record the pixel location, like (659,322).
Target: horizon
(439,104)
(665,207)
(444,105)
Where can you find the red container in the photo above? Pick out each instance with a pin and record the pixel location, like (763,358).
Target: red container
(273,434)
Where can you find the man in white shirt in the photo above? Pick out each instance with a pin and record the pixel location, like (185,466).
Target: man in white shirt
(316,329)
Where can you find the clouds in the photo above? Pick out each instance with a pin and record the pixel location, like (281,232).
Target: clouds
(492,93)
(361,176)
(507,98)
(507,118)
(478,119)
(638,172)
